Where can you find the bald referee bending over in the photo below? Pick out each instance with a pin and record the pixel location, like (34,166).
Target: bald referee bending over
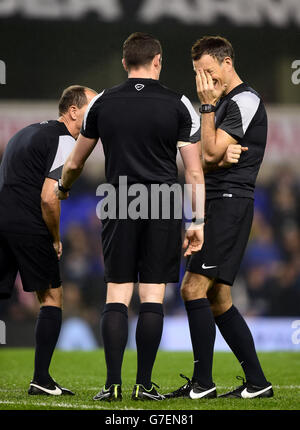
(29,222)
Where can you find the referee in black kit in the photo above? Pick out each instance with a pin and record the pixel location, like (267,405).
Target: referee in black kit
(232,113)
(141,124)
(29,222)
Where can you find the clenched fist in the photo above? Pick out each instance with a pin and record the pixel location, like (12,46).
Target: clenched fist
(232,155)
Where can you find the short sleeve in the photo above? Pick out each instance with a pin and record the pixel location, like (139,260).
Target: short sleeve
(189,129)
(58,151)
(239,114)
(89,127)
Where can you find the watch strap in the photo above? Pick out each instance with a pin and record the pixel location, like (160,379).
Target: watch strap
(207,108)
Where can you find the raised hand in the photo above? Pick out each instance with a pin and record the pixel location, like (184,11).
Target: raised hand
(206,90)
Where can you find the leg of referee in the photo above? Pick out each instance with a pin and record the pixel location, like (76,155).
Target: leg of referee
(194,291)
(236,333)
(149,330)
(114,328)
(46,332)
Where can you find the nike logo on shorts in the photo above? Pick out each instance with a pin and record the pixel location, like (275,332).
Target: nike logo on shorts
(207,267)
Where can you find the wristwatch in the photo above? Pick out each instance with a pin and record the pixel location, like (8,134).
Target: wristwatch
(62,188)
(205,108)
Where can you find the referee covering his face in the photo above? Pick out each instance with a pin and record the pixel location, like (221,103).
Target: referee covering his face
(29,222)
(233,121)
(141,124)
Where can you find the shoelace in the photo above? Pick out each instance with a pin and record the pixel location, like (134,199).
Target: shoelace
(185,377)
(183,386)
(240,378)
(153,383)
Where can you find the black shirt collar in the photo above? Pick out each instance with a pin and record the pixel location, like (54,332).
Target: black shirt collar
(143,80)
(235,90)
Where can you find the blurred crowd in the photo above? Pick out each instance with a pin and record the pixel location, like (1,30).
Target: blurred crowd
(270,273)
(268,283)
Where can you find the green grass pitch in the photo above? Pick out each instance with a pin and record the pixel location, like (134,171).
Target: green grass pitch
(84,373)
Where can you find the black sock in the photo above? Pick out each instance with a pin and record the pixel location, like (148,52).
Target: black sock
(236,333)
(114,329)
(203,334)
(46,334)
(148,335)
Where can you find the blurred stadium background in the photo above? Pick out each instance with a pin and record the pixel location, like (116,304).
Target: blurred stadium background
(49,45)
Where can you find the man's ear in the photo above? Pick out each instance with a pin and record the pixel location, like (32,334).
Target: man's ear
(157,60)
(228,62)
(124,65)
(73,112)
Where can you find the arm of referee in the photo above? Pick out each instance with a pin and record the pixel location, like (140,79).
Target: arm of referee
(214,141)
(50,206)
(194,236)
(75,163)
(231,156)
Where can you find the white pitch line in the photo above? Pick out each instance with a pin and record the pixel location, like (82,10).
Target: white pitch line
(287,387)
(60,405)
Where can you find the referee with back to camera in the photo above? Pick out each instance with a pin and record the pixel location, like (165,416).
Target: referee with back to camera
(141,124)
(232,113)
(29,222)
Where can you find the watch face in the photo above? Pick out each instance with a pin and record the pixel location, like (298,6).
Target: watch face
(207,108)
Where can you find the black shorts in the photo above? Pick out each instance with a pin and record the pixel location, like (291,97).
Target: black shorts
(147,251)
(33,256)
(228,222)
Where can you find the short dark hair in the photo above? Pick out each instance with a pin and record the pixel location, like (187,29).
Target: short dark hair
(73,95)
(139,49)
(216,46)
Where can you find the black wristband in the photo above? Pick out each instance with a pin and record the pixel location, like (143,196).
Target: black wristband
(62,188)
(198,221)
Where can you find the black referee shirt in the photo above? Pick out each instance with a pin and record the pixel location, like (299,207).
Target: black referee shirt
(34,153)
(241,113)
(139,123)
